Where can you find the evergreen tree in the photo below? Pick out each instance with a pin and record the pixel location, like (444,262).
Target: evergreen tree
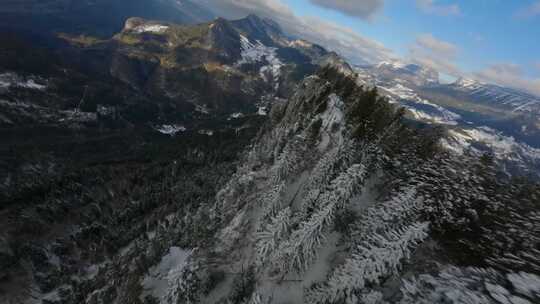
(371,262)
(300,249)
(274,232)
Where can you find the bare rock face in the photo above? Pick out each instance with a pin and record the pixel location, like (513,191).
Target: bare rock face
(133,23)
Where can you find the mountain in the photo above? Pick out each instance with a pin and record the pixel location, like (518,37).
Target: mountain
(225,162)
(499,97)
(246,62)
(413,73)
(155,72)
(480,118)
(148,122)
(338,198)
(95,17)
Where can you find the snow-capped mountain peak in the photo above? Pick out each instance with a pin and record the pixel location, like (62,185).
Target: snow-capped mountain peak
(416,74)
(467,82)
(508,98)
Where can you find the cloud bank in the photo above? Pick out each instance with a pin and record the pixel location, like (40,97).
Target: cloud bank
(510,75)
(365,9)
(435,53)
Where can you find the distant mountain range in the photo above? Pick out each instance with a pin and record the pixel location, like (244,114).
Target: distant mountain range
(514,100)
(479,117)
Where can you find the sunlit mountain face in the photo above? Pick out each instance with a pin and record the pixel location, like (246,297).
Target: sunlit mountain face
(159,151)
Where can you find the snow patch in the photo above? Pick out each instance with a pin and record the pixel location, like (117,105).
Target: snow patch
(170,129)
(300,43)
(333,114)
(202,109)
(206,132)
(153,28)
(504,147)
(258,52)
(156,282)
(396,65)
(8,80)
(425,111)
(77,116)
(262,111)
(332,121)
(235,116)
(527,284)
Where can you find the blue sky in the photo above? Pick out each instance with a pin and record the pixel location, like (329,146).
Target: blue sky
(485,31)
(496,41)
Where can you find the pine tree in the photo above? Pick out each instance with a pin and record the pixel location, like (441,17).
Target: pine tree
(268,239)
(335,160)
(300,250)
(372,261)
(271,200)
(456,285)
(404,206)
(185,283)
(288,161)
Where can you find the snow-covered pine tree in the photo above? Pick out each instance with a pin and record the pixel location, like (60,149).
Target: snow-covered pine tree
(471,285)
(269,238)
(335,160)
(372,261)
(257,298)
(300,249)
(288,161)
(271,201)
(230,199)
(184,283)
(404,206)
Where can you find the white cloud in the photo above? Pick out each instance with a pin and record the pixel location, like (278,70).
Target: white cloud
(430,7)
(343,40)
(435,53)
(510,75)
(439,47)
(530,11)
(441,56)
(363,9)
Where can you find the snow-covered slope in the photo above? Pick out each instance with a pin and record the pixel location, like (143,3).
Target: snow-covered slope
(413,73)
(513,155)
(420,108)
(257,52)
(494,95)
(426,100)
(318,212)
